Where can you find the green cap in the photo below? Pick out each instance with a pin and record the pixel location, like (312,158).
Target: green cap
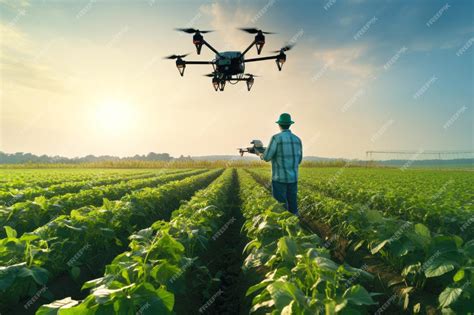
(285,119)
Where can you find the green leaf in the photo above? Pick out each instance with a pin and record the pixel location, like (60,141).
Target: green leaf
(38,274)
(166,298)
(374,216)
(377,248)
(416,308)
(358,295)
(326,263)
(469,248)
(8,276)
(27,237)
(283,292)
(103,295)
(167,248)
(144,234)
(258,287)
(330,307)
(436,270)
(358,245)
(459,275)
(92,283)
(11,233)
(400,248)
(165,271)
(53,308)
(287,249)
(449,296)
(422,230)
(287,310)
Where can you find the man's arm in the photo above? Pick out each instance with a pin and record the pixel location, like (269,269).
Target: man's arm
(270,151)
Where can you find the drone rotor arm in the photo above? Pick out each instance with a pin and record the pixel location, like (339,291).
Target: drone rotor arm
(210,47)
(248,48)
(262,58)
(199,62)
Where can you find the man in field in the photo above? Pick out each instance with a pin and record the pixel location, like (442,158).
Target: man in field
(285,151)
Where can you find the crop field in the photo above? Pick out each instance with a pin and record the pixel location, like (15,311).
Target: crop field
(213,240)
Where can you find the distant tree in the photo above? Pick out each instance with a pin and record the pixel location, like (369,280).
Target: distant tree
(20,157)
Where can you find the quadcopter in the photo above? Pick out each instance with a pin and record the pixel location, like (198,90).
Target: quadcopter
(229,66)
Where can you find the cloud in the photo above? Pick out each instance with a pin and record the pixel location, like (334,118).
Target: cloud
(31,75)
(13,40)
(18,63)
(227,17)
(16,4)
(347,60)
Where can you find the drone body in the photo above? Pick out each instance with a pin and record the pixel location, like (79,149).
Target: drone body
(229,66)
(230,63)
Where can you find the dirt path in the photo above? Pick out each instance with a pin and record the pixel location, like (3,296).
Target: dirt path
(227,267)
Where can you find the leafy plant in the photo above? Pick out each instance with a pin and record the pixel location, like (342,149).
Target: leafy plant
(66,241)
(298,275)
(146,278)
(28,215)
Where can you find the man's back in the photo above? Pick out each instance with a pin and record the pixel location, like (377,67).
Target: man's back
(285,151)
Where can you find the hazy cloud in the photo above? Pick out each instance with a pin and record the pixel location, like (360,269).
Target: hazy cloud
(18,65)
(347,60)
(15,4)
(226,18)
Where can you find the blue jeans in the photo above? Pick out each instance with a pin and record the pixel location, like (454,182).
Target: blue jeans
(286,193)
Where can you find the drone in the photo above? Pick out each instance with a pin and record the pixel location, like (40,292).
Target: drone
(257,148)
(229,66)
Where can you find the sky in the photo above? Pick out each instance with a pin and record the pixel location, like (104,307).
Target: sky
(89,77)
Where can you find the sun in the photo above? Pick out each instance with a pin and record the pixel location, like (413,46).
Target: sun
(114,116)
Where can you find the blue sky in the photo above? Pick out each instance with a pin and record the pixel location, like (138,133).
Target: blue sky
(364,75)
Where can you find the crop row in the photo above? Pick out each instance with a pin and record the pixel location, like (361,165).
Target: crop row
(441,202)
(425,186)
(98,234)
(162,270)
(440,264)
(430,262)
(10,197)
(297,273)
(20,179)
(26,216)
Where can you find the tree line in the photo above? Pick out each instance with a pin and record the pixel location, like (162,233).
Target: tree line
(22,158)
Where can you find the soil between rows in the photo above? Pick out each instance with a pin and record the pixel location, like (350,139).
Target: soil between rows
(225,292)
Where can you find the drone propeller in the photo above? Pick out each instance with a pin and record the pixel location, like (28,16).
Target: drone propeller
(252,30)
(175,56)
(284,48)
(193,30)
(213,74)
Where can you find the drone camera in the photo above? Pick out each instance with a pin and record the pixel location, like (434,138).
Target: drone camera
(259,42)
(281,59)
(181,65)
(198,41)
(250,82)
(221,85)
(215,83)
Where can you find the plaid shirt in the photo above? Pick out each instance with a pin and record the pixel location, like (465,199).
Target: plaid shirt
(286,152)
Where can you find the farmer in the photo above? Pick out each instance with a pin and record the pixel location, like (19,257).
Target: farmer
(286,152)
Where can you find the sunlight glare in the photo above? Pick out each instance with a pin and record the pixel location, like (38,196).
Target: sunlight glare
(114,116)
